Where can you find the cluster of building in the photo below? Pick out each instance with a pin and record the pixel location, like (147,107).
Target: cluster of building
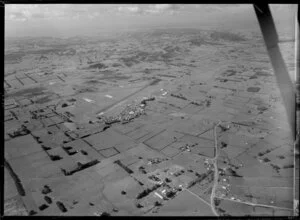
(166,186)
(130,112)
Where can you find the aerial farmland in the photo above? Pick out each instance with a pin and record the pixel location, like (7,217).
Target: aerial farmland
(156,122)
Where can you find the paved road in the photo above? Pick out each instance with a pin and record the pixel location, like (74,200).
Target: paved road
(256,204)
(216,177)
(216,174)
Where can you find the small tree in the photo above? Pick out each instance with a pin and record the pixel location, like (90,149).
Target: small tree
(217,201)
(157,203)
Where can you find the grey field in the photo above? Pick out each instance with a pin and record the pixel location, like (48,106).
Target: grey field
(163,120)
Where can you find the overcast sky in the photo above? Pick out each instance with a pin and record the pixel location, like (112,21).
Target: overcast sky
(60,20)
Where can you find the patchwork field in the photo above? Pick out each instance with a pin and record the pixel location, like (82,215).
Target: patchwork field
(158,123)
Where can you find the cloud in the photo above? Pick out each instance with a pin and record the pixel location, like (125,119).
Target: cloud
(17,16)
(93,15)
(27,12)
(166,7)
(130,9)
(54,11)
(163,8)
(38,15)
(13,12)
(149,9)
